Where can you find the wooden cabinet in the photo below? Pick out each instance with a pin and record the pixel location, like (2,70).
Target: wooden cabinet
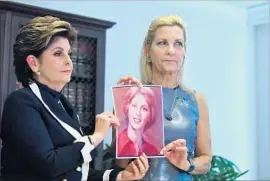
(86,89)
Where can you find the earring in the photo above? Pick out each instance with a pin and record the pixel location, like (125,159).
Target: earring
(183,61)
(37,72)
(149,59)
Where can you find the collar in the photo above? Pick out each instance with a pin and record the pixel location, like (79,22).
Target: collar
(44,87)
(125,141)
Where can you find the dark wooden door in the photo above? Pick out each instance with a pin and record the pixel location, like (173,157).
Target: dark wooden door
(12,22)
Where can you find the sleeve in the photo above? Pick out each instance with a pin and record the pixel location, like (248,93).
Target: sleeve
(105,175)
(23,129)
(99,175)
(114,172)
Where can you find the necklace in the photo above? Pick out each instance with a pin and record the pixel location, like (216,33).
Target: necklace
(167,113)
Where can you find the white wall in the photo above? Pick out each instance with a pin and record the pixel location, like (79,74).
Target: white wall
(258,22)
(218,64)
(262,94)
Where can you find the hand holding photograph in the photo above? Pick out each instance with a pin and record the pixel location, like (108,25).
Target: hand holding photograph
(139,110)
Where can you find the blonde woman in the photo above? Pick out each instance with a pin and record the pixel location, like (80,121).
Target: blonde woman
(186,125)
(40,132)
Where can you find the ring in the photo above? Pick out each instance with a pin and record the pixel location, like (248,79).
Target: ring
(142,173)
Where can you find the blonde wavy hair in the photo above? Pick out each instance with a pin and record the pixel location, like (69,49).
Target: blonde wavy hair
(146,66)
(35,37)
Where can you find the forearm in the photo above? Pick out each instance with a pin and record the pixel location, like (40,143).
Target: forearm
(57,161)
(203,151)
(96,139)
(202,164)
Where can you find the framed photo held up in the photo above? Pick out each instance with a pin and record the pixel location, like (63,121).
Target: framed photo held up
(140,113)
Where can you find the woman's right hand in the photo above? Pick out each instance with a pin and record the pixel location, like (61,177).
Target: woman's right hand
(128,80)
(103,122)
(135,170)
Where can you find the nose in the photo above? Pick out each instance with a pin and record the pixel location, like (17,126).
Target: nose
(170,50)
(68,60)
(138,112)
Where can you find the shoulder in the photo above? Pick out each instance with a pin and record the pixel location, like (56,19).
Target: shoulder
(20,97)
(22,93)
(200,97)
(122,136)
(197,96)
(202,105)
(123,141)
(19,104)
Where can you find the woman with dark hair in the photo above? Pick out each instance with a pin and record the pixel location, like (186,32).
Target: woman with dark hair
(42,138)
(139,111)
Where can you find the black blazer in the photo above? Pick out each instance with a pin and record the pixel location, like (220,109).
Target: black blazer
(35,147)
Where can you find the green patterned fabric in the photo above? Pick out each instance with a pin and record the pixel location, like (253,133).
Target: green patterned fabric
(221,169)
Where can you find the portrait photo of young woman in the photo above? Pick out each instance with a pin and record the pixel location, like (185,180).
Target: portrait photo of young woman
(139,110)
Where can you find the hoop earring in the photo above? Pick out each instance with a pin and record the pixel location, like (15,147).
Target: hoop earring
(183,61)
(148,59)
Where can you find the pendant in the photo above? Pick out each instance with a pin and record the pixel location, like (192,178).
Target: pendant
(168,117)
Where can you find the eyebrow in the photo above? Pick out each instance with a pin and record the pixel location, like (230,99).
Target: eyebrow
(60,49)
(178,39)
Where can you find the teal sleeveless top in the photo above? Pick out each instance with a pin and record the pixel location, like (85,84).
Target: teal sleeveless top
(180,122)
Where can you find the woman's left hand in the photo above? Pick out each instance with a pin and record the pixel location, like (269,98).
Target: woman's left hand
(176,152)
(129,80)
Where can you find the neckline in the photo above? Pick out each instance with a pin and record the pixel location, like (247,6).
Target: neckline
(44,87)
(166,88)
(174,88)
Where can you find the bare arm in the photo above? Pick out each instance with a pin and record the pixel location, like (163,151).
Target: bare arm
(203,154)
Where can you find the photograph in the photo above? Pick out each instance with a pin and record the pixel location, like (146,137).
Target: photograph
(140,113)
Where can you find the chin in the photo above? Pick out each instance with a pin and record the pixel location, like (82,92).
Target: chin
(136,127)
(64,81)
(67,79)
(171,70)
